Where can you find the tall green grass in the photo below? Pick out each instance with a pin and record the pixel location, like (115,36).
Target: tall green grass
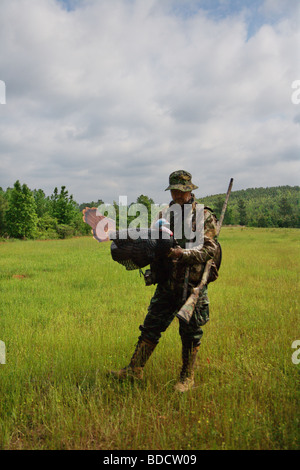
(68,314)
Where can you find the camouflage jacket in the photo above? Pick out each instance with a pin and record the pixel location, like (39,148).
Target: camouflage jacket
(173,271)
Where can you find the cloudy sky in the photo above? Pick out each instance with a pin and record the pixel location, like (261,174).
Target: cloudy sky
(107,97)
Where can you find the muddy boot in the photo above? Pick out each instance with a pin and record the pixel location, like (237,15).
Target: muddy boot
(134,370)
(186,381)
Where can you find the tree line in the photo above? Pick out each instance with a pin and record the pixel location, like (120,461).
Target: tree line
(276,206)
(30,214)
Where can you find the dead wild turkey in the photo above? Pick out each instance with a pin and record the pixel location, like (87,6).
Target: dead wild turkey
(133,248)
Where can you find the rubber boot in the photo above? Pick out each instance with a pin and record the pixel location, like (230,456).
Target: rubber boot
(186,380)
(134,370)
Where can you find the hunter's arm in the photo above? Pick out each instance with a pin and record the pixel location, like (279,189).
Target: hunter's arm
(201,253)
(207,250)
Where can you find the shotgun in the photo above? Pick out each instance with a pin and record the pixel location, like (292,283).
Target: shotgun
(187,310)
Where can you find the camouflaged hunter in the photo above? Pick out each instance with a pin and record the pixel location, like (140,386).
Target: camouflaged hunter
(170,276)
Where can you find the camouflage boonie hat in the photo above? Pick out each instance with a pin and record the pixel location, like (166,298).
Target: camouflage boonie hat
(181,180)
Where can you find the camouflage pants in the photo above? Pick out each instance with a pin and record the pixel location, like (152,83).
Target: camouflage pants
(164,305)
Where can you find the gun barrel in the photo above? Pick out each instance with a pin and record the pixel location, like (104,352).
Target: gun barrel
(225,205)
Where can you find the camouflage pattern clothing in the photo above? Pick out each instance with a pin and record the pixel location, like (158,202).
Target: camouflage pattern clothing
(181,180)
(168,297)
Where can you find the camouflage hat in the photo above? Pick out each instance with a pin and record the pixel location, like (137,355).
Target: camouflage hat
(181,180)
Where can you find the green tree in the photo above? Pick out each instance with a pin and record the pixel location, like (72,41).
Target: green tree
(3,209)
(228,216)
(242,212)
(284,207)
(90,204)
(147,202)
(79,226)
(218,206)
(21,218)
(63,206)
(42,202)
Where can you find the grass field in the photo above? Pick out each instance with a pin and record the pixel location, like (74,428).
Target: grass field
(68,313)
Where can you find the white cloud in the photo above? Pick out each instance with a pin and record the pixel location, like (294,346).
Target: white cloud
(111,97)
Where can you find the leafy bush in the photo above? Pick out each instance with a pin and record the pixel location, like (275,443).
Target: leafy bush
(65,231)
